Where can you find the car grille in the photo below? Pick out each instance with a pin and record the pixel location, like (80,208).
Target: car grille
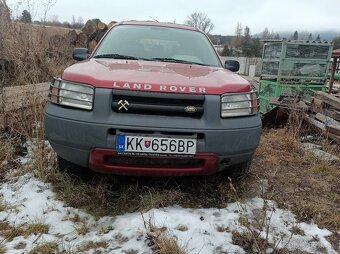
(152,103)
(153,162)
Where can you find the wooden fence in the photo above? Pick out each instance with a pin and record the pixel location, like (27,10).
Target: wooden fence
(16,98)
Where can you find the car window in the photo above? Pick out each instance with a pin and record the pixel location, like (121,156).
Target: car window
(159,42)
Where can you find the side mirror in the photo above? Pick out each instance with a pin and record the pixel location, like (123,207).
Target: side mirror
(80,54)
(232,65)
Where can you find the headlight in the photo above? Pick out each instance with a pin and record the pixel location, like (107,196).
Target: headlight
(239,104)
(71,94)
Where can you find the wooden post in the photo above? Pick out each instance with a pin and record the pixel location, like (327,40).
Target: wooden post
(331,81)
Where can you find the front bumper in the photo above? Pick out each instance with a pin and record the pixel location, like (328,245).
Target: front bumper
(107,160)
(88,139)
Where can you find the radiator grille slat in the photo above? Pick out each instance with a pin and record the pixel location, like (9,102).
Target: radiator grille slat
(153,103)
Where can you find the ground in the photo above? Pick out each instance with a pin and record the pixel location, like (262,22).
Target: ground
(283,206)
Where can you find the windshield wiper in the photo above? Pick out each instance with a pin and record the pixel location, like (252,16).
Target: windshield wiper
(174,60)
(119,56)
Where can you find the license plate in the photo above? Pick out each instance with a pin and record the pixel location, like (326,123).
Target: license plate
(159,145)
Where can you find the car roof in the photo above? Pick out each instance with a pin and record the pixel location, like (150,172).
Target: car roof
(161,24)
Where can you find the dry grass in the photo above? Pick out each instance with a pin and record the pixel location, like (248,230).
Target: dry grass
(92,246)
(297,231)
(9,232)
(83,228)
(37,228)
(32,53)
(20,246)
(117,195)
(45,248)
(251,243)
(32,56)
(7,154)
(7,150)
(3,206)
(334,240)
(2,249)
(161,241)
(130,251)
(279,148)
(298,181)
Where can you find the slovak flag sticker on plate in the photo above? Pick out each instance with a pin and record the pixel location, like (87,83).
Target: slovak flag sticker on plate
(147,143)
(120,143)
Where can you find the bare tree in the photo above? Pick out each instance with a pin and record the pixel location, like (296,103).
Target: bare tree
(73,21)
(31,6)
(266,34)
(47,5)
(4,11)
(236,41)
(200,21)
(238,30)
(54,19)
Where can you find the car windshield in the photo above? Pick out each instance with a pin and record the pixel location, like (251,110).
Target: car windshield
(138,42)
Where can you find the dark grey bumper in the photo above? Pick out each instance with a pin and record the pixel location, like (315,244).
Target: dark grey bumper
(74,133)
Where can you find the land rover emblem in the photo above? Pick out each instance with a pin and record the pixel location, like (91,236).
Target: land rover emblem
(190,109)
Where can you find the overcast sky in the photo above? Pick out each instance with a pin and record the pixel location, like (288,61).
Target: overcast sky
(277,15)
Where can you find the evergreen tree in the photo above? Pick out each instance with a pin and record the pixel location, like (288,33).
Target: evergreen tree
(336,42)
(257,47)
(226,51)
(277,37)
(318,38)
(26,17)
(246,43)
(266,34)
(296,35)
(310,37)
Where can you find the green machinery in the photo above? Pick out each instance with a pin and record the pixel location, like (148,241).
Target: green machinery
(293,69)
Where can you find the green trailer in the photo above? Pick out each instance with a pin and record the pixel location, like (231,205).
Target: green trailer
(293,69)
(273,89)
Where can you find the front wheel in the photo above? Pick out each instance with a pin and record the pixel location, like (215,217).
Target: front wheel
(72,168)
(240,170)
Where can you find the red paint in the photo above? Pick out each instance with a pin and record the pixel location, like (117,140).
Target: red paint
(97,163)
(102,73)
(152,23)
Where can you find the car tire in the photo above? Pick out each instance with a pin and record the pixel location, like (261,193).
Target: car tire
(240,170)
(66,166)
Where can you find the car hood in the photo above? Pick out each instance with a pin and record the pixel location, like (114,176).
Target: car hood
(155,76)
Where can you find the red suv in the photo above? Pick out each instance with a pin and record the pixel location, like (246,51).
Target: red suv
(153,99)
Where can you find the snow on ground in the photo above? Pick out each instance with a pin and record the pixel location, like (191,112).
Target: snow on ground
(200,230)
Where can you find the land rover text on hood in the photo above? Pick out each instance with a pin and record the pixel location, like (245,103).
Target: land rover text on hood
(153,99)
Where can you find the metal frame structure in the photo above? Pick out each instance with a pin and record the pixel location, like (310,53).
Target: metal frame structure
(294,69)
(285,60)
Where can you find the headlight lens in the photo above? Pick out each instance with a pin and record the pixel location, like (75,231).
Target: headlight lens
(239,104)
(71,94)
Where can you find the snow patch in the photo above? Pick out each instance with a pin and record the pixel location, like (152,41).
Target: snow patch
(200,230)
